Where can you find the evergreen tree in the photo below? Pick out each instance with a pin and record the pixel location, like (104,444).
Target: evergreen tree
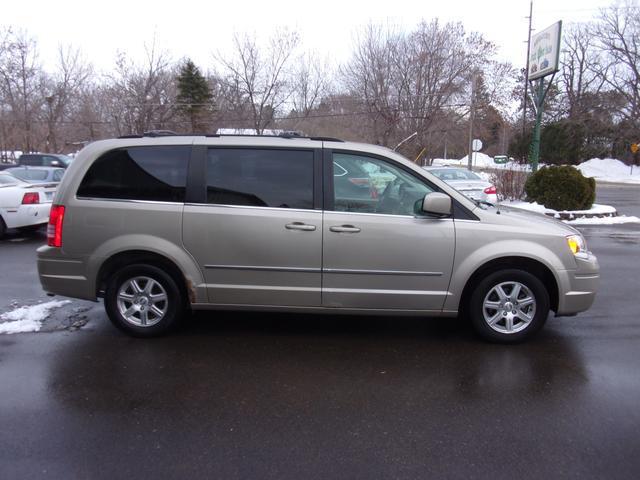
(194,95)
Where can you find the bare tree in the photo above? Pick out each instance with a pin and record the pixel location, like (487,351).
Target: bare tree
(406,80)
(62,91)
(21,80)
(369,78)
(618,34)
(256,77)
(310,83)
(579,82)
(141,96)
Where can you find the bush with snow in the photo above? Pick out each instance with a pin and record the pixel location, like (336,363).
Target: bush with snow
(561,188)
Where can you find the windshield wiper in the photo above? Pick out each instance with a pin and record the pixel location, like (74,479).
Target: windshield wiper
(480,204)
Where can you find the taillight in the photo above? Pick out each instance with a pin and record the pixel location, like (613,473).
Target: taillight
(490,190)
(31,198)
(54,229)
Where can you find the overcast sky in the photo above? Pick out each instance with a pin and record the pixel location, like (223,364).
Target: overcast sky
(197,29)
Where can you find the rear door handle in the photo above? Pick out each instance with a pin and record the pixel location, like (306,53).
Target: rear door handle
(344,229)
(300,226)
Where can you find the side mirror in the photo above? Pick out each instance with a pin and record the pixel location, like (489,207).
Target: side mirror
(55,163)
(435,204)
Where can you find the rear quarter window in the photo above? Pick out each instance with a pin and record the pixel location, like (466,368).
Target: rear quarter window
(138,173)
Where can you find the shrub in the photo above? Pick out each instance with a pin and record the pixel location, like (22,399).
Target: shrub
(561,188)
(509,183)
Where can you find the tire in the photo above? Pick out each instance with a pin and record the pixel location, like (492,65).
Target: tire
(501,324)
(3,228)
(131,295)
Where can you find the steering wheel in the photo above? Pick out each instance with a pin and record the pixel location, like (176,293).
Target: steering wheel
(386,203)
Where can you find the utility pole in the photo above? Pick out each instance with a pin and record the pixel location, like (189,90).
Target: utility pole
(540,94)
(472,108)
(526,78)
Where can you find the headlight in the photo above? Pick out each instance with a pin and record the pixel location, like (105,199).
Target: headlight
(577,244)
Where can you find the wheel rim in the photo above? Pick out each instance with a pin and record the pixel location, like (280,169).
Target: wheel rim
(509,307)
(142,301)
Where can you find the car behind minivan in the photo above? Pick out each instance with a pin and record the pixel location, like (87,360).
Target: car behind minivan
(158,226)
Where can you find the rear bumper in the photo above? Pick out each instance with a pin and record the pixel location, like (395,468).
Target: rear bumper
(580,286)
(65,276)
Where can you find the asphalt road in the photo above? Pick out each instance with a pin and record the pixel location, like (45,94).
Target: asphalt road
(290,396)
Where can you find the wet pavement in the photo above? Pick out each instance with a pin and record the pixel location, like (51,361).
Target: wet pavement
(236,395)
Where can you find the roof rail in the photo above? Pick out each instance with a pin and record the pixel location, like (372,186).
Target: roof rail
(159,133)
(326,139)
(284,135)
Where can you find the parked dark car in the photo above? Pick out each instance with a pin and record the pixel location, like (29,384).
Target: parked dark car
(44,160)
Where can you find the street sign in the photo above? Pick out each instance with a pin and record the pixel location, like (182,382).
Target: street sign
(476,145)
(544,53)
(634,148)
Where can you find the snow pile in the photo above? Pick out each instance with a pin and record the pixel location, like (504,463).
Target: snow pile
(481,160)
(609,170)
(28,319)
(577,217)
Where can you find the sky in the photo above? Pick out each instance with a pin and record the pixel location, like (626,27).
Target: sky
(197,29)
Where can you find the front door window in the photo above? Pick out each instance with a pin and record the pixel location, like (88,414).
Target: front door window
(370,185)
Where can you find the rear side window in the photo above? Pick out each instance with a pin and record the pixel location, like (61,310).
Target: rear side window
(139,173)
(7,180)
(28,174)
(33,160)
(260,177)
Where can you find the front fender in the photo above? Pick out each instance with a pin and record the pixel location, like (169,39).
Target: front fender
(469,260)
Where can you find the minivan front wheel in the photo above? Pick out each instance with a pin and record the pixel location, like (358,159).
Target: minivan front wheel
(509,306)
(143,300)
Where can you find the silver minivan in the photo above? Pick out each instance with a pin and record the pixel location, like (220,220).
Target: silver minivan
(160,225)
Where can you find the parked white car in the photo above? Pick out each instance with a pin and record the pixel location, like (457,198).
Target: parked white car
(22,204)
(468,183)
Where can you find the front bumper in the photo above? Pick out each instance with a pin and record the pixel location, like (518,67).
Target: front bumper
(578,289)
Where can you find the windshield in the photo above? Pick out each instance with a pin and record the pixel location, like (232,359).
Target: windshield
(454,174)
(65,159)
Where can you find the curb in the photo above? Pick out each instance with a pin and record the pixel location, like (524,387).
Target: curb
(573,216)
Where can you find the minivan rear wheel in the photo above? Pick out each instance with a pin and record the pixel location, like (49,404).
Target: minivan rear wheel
(509,306)
(143,300)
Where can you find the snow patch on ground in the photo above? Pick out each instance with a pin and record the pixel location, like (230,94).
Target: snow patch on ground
(29,318)
(609,170)
(603,220)
(577,219)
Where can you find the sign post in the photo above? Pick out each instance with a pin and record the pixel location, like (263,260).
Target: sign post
(544,57)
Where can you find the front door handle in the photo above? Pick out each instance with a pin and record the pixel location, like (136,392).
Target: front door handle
(344,229)
(300,226)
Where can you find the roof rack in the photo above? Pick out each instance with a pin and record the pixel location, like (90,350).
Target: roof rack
(285,135)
